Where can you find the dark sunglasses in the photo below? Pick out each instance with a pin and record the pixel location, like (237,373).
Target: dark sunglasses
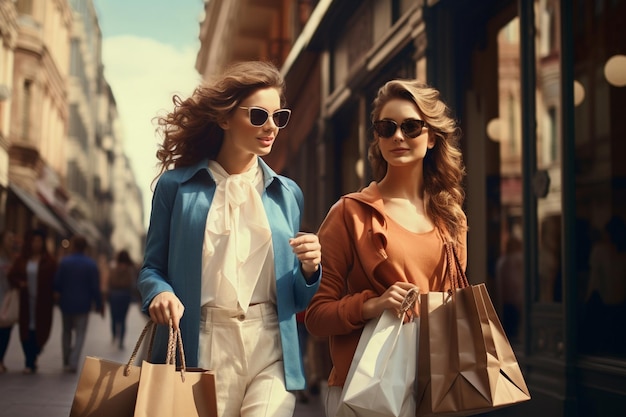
(258,116)
(411,128)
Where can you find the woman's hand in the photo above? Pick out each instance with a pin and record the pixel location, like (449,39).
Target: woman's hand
(307,248)
(165,306)
(391,299)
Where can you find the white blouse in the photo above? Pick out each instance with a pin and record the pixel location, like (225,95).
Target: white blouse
(237,255)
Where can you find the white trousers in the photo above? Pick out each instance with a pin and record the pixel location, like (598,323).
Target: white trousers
(246,354)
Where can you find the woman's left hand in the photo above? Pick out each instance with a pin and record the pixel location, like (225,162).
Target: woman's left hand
(307,248)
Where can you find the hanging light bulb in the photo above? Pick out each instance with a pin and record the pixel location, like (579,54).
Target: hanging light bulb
(579,93)
(359,168)
(615,70)
(494,129)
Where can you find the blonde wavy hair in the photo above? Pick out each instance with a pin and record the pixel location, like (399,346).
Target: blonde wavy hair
(444,169)
(191,132)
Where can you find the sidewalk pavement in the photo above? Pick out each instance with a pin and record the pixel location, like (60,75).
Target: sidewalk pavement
(49,392)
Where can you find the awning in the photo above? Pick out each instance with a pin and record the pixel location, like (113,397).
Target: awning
(91,231)
(38,208)
(70,223)
(76,226)
(308,32)
(73,225)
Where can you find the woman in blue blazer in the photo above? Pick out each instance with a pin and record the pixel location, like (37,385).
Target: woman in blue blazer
(223,245)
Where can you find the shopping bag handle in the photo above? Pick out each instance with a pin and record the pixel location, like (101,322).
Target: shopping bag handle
(456,275)
(175,343)
(149,327)
(410,299)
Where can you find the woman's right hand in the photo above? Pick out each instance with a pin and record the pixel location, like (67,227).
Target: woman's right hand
(391,299)
(165,306)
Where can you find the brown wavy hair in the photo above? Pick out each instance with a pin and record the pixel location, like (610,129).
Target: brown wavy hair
(444,169)
(191,131)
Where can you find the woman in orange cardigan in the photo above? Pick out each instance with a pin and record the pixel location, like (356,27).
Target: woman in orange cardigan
(389,237)
(33,273)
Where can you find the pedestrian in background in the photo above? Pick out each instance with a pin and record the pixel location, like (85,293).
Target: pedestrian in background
(605,297)
(122,286)
(104,266)
(77,291)
(7,256)
(223,243)
(33,273)
(389,237)
(510,286)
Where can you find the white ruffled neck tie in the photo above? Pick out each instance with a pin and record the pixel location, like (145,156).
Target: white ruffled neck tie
(237,219)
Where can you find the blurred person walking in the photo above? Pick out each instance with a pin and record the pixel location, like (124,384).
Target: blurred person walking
(7,256)
(605,300)
(122,286)
(33,273)
(77,290)
(510,286)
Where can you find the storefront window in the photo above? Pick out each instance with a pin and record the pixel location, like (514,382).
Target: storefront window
(600,174)
(505,132)
(547,179)
(506,225)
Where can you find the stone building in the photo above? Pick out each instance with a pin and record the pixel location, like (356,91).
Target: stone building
(39,113)
(62,165)
(8,40)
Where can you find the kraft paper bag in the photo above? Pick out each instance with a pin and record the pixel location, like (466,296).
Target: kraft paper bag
(165,391)
(466,364)
(106,388)
(10,308)
(380,381)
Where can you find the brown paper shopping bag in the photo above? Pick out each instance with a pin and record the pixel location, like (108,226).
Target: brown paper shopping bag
(466,364)
(106,388)
(165,391)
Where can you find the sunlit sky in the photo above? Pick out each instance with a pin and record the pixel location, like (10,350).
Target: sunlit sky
(149,53)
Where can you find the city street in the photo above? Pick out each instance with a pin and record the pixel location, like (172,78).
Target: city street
(50,392)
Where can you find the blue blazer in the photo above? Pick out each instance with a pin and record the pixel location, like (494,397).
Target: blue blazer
(173,257)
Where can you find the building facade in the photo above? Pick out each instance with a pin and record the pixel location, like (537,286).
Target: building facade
(39,114)
(8,40)
(61,147)
(537,87)
(84,161)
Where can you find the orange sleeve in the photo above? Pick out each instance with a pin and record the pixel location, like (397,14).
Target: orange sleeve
(332,310)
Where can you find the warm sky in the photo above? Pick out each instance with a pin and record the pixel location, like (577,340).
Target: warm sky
(149,52)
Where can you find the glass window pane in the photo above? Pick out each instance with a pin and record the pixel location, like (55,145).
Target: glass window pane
(547,181)
(600,174)
(505,132)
